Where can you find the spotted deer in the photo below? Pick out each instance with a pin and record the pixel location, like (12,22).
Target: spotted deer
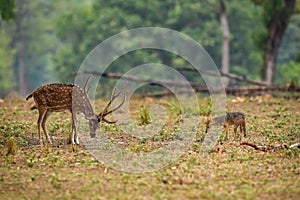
(57,97)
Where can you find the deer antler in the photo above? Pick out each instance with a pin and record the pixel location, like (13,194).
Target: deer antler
(86,83)
(105,112)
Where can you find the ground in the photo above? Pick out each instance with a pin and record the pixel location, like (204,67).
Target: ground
(228,171)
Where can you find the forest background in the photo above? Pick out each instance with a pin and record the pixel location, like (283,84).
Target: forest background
(45,41)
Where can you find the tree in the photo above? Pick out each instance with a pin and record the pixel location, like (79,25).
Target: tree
(34,41)
(20,42)
(245,55)
(277,14)
(7,81)
(7,10)
(6,53)
(221,9)
(226,41)
(83,28)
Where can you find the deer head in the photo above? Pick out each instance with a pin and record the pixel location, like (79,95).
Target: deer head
(95,120)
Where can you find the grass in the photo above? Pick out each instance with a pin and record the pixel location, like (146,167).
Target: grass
(145,115)
(230,171)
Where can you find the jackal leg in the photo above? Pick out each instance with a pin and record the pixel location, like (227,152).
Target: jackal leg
(42,113)
(47,114)
(226,126)
(238,123)
(244,127)
(235,129)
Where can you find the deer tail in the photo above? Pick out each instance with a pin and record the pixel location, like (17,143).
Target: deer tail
(29,96)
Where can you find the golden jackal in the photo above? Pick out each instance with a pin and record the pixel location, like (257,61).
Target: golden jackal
(237,119)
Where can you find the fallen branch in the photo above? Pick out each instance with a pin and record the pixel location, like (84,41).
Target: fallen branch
(260,89)
(232,76)
(270,148)
(165,93)
(196,86)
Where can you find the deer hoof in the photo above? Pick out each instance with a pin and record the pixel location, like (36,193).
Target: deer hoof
(76,140)
(93,135)
(74,148)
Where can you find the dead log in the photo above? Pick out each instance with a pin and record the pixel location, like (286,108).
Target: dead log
(197,86)
(249,90)
(228,75)
(270,148)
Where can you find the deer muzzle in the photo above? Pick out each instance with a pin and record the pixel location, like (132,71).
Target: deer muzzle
(93,125)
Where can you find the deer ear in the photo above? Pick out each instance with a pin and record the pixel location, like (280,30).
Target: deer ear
(91,117)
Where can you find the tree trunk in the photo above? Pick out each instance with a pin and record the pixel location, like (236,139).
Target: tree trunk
(225,46)
(270,59)
(276,31)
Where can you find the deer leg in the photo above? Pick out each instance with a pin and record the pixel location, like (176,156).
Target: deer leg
(47,114)
(74,129)
(72,135)
(42,113)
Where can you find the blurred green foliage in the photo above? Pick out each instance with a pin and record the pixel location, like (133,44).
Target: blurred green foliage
(59,35)
(7,10)
(7,81)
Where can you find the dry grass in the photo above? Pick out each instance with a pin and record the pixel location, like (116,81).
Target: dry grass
(230,171)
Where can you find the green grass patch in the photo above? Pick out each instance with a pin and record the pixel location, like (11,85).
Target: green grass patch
(229,171)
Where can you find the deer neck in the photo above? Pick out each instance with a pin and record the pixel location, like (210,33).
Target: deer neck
(81,103)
